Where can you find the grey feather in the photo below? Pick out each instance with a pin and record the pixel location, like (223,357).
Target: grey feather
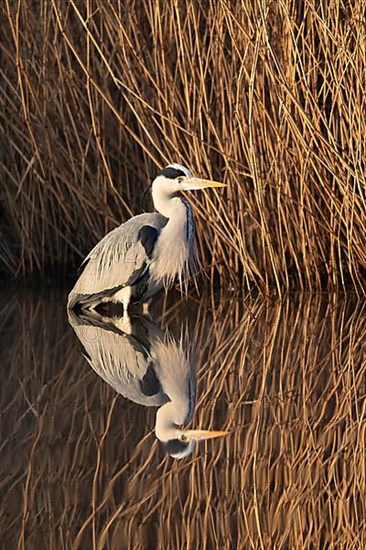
(118,260)
(120,359)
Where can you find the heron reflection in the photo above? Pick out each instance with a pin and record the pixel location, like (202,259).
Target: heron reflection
(148,366)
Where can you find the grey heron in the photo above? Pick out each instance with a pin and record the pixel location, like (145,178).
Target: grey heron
(147,366)
(135,260)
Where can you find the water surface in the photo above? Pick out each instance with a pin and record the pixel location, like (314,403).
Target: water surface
(82,467)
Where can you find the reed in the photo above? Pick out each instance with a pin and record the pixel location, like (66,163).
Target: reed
(96,95)
(81,467)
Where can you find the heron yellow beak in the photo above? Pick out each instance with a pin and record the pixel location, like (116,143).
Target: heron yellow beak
(193,184)
(198,435)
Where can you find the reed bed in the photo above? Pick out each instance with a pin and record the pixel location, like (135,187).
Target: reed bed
(96,95)
(81,467)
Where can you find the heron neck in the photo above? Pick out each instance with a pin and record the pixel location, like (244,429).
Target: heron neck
(173,250)
(180,216)
(167,205)
(168,418)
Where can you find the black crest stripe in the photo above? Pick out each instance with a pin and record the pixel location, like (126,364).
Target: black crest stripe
(174,446)
(171,173)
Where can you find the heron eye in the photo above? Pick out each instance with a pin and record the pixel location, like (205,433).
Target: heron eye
(183,438)
(180,179)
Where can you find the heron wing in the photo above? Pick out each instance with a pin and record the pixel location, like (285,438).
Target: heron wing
(118,358)
(120,259)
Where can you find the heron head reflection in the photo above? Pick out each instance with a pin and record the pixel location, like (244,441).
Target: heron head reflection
(148,366)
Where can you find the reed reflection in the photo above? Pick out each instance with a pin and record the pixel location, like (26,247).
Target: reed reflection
(288,378)
(148,366)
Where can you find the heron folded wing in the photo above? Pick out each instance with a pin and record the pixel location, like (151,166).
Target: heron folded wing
(120,259)
(120,359)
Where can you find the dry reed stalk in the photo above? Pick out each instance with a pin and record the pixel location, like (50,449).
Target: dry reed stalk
(96,95)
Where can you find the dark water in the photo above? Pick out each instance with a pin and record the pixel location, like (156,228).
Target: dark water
(82,466)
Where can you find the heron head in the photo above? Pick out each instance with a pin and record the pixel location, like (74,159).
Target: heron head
(175,178)
(185,441)
(178,448)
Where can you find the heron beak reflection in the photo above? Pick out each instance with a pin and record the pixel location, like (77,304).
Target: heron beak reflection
(193,184)
(200,435)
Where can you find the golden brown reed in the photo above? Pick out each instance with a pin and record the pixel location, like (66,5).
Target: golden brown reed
(82,469)
(97,94)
